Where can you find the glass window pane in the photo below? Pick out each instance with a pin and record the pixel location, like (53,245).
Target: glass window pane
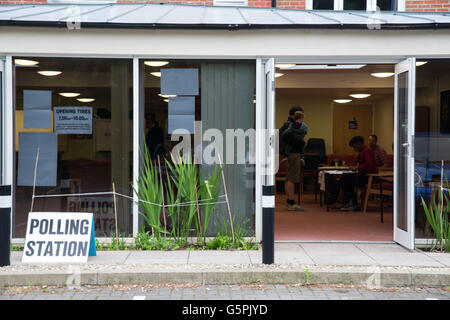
(402,132)
(386,5)
(432,138)
(323,4)
(355,5)
(209,100)
(86,109)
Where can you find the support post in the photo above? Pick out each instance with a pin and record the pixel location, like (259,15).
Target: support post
(5,225)
(268,224)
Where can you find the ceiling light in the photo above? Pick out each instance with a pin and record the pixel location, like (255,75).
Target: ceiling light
(285,65)
(360,95)
(85,99)
(49,73)
(383,74)
(69,94)
(166,100)
(325,66)
(156,63)
(25,63)
(420,63)
(277,75)
(167,95)
(156,74)
(342,100)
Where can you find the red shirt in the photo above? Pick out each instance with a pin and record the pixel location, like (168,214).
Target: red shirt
(366,160)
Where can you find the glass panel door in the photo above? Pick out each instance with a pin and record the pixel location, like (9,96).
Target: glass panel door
(403,153)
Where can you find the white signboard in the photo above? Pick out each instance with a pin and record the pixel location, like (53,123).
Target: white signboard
(73,120)
(57,237)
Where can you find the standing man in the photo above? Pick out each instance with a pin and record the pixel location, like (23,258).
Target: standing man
(294,145)
(366,165)
(379,152)
(154,137)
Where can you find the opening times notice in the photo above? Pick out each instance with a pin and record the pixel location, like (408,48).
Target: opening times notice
(73,120)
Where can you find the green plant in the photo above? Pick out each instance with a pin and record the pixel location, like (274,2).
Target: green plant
(145,241)
(307,276)
(150,192)
(116,245)
(437,213)
(98,245)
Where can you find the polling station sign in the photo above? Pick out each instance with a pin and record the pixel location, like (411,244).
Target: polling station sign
(58,237)
(73,120)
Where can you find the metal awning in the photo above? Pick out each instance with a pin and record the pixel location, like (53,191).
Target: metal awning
(211,17)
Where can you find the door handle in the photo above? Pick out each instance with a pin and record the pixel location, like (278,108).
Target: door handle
(406,144)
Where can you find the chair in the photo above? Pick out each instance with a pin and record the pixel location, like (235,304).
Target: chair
(377,186)
(317,146)
(315,155)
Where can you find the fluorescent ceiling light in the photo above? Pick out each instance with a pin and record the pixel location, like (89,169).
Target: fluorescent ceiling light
(277,75)
(69,94)
(285,65)
(420,63)
(25,63)
(324,66)
(85,99)
(156,74)
(383,74)
(156,63)
(167,95)
(49,73)
(342,100)
(360,95)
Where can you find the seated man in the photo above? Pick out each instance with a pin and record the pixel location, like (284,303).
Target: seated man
(379,153)
(366,164)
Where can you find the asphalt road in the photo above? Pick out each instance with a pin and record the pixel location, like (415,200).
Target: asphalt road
(224,292)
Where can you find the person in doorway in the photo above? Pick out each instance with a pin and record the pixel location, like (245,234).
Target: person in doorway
(154,137)
(294,139)
(366,165)
(379,152)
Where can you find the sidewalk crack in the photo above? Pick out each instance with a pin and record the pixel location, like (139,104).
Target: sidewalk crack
(365,253)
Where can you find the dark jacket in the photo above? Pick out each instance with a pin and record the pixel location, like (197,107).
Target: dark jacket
(294,138)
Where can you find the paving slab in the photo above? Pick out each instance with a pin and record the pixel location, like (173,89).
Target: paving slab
(219,257)
(283,256)
(337,254)
(158,257)
(441,257)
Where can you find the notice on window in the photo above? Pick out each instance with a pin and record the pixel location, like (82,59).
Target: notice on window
(73,120)
(37,107)
(179,81)
(58,237)
(181,114)
(29,142)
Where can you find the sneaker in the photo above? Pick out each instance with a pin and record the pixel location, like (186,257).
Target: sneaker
(349,207)
(295,207)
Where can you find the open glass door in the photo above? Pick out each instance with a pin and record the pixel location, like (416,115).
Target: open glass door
(404,108)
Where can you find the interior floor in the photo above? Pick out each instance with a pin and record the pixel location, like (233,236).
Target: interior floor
(317,224)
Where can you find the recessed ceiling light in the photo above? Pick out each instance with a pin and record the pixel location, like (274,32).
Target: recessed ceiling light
(277,75)
(342,100)
(85,99)
(383,74)
(167,95)
(420,63)
(25,63)
(49,73)
(285,65)
(69,94)
(166,100)
(156,74)
(156,63)
(360,95)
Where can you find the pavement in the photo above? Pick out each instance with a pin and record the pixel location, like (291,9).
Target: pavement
(368,264)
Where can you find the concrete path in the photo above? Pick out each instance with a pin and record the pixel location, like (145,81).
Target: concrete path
(348,263)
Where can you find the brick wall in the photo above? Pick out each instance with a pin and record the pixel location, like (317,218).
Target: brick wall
(428,5)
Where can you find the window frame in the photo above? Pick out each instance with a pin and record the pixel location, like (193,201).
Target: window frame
(371,5)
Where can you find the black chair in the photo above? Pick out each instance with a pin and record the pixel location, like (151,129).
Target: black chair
(317,146)
(315,155)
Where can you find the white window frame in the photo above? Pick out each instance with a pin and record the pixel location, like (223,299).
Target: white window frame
(371,5)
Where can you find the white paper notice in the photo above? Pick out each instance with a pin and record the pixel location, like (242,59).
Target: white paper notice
(179,81)
(73,120)
(37,107)
(181,113)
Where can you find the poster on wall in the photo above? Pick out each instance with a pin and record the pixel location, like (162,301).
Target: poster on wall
(73,120)
(29,142)
(37,107)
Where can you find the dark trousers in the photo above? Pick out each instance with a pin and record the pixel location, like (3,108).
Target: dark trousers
(349,182)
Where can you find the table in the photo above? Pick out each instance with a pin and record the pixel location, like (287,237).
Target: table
(324,171)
